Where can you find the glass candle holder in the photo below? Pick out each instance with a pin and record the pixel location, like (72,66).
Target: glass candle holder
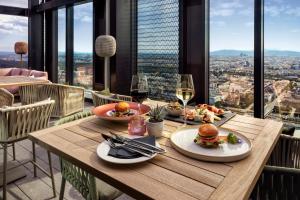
(137,126)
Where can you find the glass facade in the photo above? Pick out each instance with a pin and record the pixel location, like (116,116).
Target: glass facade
(231,55)
(12,29)
(158,45)
(83,45)
(282,60)
(61,46)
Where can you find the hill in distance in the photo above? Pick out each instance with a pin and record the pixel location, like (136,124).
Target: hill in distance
(230,52)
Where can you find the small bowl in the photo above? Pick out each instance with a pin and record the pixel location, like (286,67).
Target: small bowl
(174,112)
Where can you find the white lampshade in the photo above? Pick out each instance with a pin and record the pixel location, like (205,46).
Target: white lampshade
(105,46)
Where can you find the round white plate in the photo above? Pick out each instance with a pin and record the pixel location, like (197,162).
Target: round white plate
(183,141)
(103,149)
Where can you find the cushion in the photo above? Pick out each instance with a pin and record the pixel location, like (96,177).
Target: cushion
(25,72)
(5,71)
(39,74)
(15,72)
(106,191)
(13,89)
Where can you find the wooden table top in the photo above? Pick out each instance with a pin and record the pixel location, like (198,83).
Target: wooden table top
(7,81)
(168,176)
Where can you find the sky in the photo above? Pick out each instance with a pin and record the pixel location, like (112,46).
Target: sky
(231,23)
(83,28)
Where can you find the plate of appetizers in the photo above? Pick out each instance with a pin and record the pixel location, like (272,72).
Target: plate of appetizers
(210,143)
(204,113)
(122,111)
(174,109)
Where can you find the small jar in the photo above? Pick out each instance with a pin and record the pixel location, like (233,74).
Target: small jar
(137,126)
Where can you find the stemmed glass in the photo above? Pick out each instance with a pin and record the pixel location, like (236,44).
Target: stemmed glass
(185,90)
(139,88)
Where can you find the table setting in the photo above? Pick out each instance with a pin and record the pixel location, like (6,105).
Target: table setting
(200,135)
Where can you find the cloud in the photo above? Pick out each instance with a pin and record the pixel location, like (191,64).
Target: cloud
(218,23)
(13,24)
(222,12)
(273,11)
(249,24)
(293,11)
(15,3)
(84,12)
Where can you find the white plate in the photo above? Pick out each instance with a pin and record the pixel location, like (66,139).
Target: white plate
(183,141)
(103,149)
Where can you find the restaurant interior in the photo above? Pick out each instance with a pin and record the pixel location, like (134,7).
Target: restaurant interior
(149,99)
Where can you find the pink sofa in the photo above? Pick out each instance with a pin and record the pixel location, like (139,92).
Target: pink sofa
(21,72)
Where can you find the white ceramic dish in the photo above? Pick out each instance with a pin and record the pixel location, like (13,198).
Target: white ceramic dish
(103,149)
(183,141)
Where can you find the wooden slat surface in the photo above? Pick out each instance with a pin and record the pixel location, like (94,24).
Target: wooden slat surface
(168,176)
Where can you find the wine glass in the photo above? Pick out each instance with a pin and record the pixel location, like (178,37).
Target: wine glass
(139,88)
(185,90)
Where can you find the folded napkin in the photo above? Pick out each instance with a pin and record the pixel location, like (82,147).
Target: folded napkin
(122,153)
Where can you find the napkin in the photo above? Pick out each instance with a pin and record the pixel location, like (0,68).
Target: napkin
(122,153)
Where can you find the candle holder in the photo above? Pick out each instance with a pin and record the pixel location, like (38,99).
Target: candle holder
(137,126)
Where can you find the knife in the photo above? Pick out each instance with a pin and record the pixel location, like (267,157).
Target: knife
(124,139)
(115,139)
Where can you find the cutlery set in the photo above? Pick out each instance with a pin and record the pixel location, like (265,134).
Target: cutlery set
(117,141)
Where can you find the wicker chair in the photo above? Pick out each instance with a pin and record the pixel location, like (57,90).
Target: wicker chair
(69,99)
(278,183)
(101,99)
(6,98)
(15,125)
(281,176)
(90,187)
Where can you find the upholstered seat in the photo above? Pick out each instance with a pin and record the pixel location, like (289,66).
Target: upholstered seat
(21,72)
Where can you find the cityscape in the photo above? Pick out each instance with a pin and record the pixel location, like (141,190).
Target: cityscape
(231,79)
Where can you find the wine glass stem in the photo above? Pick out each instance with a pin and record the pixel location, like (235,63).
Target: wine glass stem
(184,108)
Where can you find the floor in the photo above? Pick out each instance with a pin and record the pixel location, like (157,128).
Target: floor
(38,188)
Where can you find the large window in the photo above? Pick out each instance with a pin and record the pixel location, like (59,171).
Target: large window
(83,45)
(158,45)
(231,54)
(12,29)
(61,46)
(282,60)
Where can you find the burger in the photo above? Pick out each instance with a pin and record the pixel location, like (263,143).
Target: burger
(122,108)
(207,136)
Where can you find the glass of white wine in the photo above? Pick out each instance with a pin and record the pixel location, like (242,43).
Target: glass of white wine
(185,90)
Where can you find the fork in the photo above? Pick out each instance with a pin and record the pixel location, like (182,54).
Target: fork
(114,145)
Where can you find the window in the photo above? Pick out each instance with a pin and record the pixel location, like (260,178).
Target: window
(12,29)
(282,60)
(158,45)
(231,54)
(62,46)
(83,45)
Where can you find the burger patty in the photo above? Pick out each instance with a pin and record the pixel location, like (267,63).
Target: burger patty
(207,141)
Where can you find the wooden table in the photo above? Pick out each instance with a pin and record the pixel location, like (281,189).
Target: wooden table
(169,176)
(8,81)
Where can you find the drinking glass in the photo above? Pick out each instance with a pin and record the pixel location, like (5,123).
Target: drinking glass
(139,88)
(185,90)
